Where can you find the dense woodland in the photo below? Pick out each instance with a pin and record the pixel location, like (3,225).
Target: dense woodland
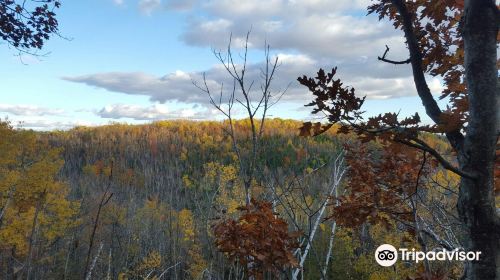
(268,199)
(164,201)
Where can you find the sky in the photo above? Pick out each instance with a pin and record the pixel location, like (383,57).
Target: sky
(135,61)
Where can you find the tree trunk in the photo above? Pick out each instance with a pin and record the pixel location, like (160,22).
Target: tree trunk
(476,203)
(32,240)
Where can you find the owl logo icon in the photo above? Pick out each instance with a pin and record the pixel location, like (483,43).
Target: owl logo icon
(386,255)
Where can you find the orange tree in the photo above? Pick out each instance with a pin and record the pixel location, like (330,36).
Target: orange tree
(259,240)
(457,41)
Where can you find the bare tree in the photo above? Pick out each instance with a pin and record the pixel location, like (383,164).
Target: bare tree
(337,176)
(255,103)
(105,198)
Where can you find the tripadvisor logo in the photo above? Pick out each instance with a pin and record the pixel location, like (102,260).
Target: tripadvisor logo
(387,255)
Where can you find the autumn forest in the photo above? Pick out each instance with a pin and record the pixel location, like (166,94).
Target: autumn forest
(247,190)
(161,200)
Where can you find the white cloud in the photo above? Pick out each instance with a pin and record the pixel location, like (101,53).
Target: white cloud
(181,5)
(384,88)
(369,77)
(215,25)
(176,86)
(333,36)
(153,112)
(306,34)
(435,85)
(118,2)
(337,29)
(29,110)
(238,9)
(45,125)
(147,7)
(319,33)
(271,25)
(300,59)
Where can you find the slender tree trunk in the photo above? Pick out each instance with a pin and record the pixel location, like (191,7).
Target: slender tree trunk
(4,208)
(11,271)
(337,178)
(324,273)
(94,261)
(476,202)
(66,263)
(330,242)
(108,275)
(32,241)
(92,236)
(106,196)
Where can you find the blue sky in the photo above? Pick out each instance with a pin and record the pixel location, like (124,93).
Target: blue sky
(133,60)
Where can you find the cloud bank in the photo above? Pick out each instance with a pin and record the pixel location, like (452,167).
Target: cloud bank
(153,112)
(29,110)
(305,35)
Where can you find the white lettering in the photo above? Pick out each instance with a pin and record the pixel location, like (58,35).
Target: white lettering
(418,256)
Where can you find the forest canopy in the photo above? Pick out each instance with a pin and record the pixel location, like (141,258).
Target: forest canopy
(144,200)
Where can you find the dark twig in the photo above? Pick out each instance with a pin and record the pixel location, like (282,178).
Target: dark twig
(384,59)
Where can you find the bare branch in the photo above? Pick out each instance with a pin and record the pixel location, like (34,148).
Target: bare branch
(384,59)
(424,147)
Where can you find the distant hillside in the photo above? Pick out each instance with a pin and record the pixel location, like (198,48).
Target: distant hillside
(128,201)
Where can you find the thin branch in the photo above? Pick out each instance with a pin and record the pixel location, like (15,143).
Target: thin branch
(447,165)
(384,59)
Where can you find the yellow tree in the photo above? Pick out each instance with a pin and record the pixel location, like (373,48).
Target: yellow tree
(34,209)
